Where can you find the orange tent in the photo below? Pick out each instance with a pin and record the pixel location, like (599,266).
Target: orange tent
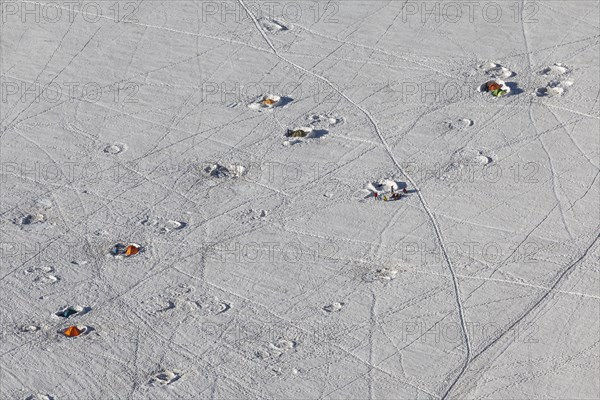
(493,86)
(72,331)
(131,250)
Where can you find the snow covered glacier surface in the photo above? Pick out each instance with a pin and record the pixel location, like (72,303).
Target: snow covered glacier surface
(204,190)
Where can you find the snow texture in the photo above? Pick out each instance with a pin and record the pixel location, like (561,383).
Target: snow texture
(198,185)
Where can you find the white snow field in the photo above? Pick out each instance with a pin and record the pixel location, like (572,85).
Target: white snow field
(343,199)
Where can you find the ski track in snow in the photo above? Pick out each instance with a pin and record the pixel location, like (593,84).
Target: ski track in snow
(438,232)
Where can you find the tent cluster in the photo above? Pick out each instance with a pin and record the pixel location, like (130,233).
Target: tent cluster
(496,88)
(118,250)
(67,312)
(121,250)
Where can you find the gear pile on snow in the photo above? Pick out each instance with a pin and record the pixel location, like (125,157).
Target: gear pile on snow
(393,196)
(386,190)
(298,132)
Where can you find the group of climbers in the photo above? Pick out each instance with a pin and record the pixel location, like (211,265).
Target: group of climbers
(392,196)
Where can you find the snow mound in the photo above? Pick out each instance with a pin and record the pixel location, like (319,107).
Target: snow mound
(31,219)
(45,280)
(36,269)
(496,70)
(385,274)
(558,86)
(459,124)
(483,160)
(163,225)
(465,158)
(116,148)
(383,186)
(30,328)
(274,25)
(39,396)
(333,307)
(555,70)
(165,377)
(224,171)
(554,88)
(277,349)
(325,120)
(212,306)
